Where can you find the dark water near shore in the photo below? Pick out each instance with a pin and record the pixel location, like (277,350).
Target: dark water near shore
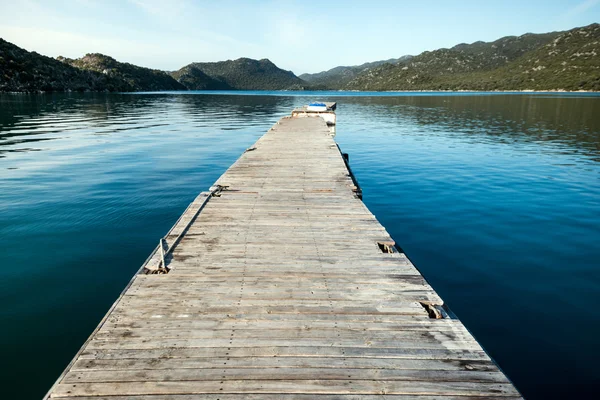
(495,198)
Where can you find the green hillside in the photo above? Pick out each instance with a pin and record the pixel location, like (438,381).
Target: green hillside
(240,74)
(552,61)
(193,78)
(338,77)
(24,71)
(567,60)
(131,77)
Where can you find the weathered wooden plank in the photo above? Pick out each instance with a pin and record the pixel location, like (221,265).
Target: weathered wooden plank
(199,308)
(436,341)
(223,324)
(279,386)
(289,333)
(286,374)
(281,362)
(255,314)
(419,353)
(285,396)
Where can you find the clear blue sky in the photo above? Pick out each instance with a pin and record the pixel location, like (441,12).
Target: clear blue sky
(302,36)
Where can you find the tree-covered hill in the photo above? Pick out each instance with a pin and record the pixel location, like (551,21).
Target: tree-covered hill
(24,71)
(193,78)
(338,77)
(552,61)
(132,77)
(240,74)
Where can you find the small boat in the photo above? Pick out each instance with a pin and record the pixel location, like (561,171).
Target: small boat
(316,107)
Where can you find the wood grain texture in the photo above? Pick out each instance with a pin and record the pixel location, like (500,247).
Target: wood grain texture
(277,289)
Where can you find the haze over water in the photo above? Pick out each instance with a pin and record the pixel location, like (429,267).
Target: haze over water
(494,197)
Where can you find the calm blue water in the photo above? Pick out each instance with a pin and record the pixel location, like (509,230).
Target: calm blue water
(495,198)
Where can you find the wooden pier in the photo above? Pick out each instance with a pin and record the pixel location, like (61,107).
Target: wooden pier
(279,283)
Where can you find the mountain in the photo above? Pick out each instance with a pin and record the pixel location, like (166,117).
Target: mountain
(552,61)
(24,71)
(568,60)
(193,78)
(240,74)
(338,77)
(131,77)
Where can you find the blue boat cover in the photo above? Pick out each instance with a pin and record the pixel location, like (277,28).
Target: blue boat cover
(317,104)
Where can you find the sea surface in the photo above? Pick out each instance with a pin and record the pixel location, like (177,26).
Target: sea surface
(494,197)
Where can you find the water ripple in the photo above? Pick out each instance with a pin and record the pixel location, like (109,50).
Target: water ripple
(496,198)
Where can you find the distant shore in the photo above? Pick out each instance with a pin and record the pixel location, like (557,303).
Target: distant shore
(308,91)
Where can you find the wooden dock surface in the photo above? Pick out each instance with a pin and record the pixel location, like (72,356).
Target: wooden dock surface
(279,288)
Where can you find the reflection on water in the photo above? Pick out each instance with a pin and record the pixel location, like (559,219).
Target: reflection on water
(567,121)
(496,198)
(28,119)
(562,120)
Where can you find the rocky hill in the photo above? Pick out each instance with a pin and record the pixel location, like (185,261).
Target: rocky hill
(338,77)
(240,74)
(131,77)
(193,78)
(24,71)
(552,61)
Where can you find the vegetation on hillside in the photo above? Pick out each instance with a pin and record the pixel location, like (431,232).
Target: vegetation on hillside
(338,77)
(193,78)
(553,61)
(131,77)
(240,74)
(24,71)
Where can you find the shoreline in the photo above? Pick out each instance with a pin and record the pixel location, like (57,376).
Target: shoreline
(524,91)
